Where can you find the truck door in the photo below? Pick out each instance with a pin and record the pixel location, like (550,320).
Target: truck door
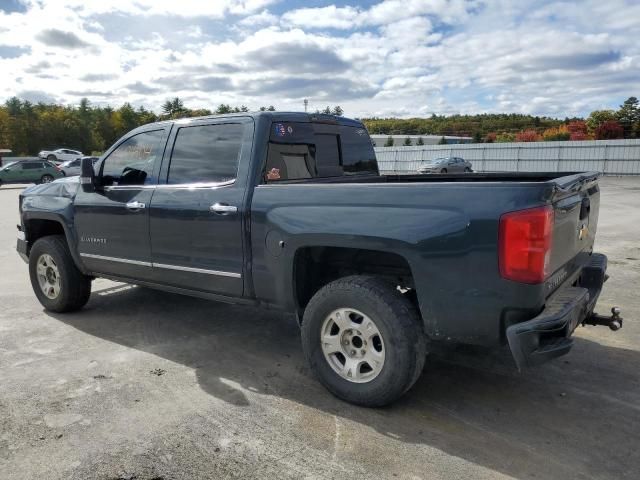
(112,223)
(197,212)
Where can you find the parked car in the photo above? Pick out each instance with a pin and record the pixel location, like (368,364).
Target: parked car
(288,211)
(36,171)
(60,155)
(72,167)
(446,165)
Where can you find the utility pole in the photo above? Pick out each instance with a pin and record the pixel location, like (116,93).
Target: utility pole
(306,102)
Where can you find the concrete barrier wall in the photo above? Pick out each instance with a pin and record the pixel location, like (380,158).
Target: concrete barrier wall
(611,157)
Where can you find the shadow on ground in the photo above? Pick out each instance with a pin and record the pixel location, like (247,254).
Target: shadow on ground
(577,417)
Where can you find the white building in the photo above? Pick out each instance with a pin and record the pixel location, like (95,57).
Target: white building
(380,140)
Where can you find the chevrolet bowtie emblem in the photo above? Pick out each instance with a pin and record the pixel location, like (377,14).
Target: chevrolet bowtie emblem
(583,232)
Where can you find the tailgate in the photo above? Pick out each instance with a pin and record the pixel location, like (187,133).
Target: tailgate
(576,201)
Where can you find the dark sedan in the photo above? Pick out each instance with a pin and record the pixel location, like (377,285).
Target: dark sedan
(445,165)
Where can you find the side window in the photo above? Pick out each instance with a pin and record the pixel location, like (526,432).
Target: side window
(31,165)
(206,154)
(131,163)
(75,163)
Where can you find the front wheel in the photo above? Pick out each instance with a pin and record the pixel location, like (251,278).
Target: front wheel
(363,340)
(55,279)
(46,179)
(467,170)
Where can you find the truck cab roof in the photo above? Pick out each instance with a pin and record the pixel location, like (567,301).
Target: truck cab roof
(300,117)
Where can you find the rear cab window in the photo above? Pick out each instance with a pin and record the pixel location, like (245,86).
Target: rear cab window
(299,150)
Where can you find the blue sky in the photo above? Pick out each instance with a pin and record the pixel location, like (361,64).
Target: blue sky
(384,58)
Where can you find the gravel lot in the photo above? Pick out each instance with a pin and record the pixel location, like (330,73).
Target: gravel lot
(150,385)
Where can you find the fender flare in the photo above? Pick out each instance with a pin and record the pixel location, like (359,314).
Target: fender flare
(69,234)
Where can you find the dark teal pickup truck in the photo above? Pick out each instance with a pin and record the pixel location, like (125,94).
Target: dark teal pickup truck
(288,210)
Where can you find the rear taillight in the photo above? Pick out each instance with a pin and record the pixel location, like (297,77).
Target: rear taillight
(524,244)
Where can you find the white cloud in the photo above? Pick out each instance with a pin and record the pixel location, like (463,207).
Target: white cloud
(406,57)
(182,8)
(383,13)
(259,19)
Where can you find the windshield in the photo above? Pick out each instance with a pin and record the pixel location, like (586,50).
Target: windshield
(9,164)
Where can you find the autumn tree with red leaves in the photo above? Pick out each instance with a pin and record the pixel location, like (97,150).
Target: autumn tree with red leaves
(609,130)
(527,136)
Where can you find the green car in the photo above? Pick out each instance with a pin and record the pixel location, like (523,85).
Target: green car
(37,171)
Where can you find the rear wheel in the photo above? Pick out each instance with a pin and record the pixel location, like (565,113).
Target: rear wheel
(444,170)
(363,340)
(46,179)
(56,281)
(52,158)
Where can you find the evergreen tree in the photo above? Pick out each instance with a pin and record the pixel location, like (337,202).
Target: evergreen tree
(389,142)
(628,115)
(420,141)
(442,141)
(407,142)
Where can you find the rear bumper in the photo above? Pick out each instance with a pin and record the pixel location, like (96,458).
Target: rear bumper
(548,335)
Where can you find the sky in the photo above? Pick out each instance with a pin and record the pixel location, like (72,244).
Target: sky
(403,58)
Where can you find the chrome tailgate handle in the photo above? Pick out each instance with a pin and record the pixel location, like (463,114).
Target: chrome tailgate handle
(136,205)
(223,208)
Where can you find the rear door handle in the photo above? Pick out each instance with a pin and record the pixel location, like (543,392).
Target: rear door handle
(136,205)
(223,208)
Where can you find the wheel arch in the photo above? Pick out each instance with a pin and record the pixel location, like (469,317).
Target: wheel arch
(42,224)
(314,266)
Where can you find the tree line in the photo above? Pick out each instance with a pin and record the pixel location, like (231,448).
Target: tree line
(26,128)
(513,127)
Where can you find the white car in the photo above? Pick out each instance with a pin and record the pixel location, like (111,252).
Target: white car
(60,155)
(72,167)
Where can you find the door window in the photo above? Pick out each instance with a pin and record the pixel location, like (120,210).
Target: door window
(31,165)
(206,154)
(131,163)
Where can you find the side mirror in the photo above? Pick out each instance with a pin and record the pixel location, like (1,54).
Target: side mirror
(87,175)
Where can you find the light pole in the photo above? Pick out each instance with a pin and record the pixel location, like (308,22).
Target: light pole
(306,102)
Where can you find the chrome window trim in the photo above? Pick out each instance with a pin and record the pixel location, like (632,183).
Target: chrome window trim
(162,265)
(163,186)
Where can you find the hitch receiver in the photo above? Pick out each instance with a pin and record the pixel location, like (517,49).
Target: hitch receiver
(614,322)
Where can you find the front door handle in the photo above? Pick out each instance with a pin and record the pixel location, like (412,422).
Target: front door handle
(136,205)
(223,208)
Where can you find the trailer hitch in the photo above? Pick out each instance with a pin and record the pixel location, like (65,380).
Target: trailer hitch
(614,322)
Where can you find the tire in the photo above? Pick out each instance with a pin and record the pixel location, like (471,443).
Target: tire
(467,170)
(444,170)
(401,343)
(46,178)
(73,288)
(52,158)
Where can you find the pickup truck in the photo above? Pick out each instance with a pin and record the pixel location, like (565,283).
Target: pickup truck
(289,211)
